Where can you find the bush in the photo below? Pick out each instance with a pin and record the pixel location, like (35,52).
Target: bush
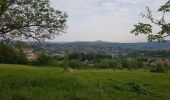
(134,87)
(119,66)
(107,63)
(10,56)
(125,63)
(21,58)
(75,64)
(43,59)
(101,64)
(159,68)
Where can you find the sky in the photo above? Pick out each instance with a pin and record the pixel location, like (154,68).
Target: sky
(107,20)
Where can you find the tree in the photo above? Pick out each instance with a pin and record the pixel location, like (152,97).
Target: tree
(30,20)
(75,64)
(147,29)
(43,59)
(74,55)
(66,62)
(20,45)
(159,68)
(9,55)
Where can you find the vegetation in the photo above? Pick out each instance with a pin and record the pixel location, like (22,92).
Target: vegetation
(75,64)
(18,82)
(146,29)
(43,59)
(66,62)
(114,73)
(76,60)
(159,68)
(30,20)
(9,55)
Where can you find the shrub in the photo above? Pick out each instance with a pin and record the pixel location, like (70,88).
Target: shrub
(107,63)
(10,56)
(134,87)
(159,68)
(75,64)
(43,59)
(119,66)
(101,64)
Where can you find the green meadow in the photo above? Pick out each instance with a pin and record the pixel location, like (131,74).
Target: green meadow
(20,82)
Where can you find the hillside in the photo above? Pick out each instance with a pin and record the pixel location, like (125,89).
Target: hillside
(136,46)
(102,47)
(18,82)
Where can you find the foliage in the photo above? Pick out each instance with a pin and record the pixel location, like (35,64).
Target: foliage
(74,55)
(66,62)
(134,87)
(30,20)
(159,68)
(146,29)
(75,64)
(11,56)
(43,59)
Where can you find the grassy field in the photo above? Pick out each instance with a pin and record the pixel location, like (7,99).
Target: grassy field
(19,82)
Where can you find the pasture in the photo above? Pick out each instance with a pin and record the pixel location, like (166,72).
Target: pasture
(20,82)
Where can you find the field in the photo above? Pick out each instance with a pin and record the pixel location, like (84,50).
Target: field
(19,82)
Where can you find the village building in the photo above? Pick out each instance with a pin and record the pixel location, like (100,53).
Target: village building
(158,60)
(30,54)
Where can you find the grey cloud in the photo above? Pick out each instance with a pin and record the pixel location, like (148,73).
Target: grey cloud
(109,20)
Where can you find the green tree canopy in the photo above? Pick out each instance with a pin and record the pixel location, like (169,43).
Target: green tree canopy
(30,20)
(147,29)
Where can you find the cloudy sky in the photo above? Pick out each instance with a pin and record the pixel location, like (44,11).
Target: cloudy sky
(107,20)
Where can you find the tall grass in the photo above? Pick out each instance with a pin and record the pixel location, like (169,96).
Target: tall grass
(19,82)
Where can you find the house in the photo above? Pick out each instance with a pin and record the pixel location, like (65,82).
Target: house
(158,60)
(167,62)
(30,54)
(61,55)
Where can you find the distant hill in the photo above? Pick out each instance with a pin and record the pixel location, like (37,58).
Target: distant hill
(102,47)
(105,44)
